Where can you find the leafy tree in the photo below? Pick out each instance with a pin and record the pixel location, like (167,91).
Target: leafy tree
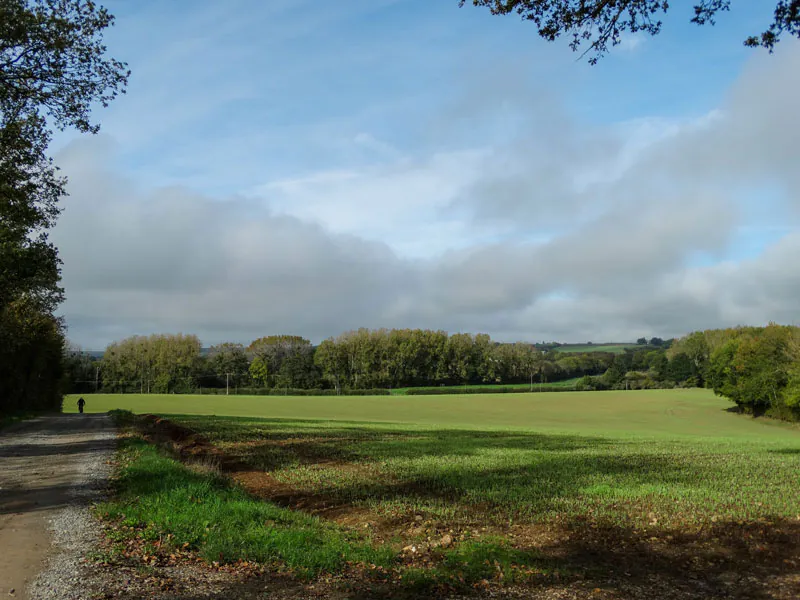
(298,370)
(696,348)
(228,362)
(332,363)
(53,70)
(80,371)
(621,364)
(158,363)
(29,192)
(31,353)
(681,368)
(53,63)
(273,350)
(656,341)
(638,359)
(460,357)
(642,341)
(757,368)
(597,25)
(791,395)
(658,363)
(259,372)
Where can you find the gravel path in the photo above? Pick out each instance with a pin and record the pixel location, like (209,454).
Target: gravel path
(51,470)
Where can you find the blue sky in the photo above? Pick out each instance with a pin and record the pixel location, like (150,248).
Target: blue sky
(300,167)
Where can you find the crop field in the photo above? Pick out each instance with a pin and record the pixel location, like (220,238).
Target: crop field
(635,494)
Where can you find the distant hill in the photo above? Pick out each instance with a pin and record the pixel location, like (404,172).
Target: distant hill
(616,348)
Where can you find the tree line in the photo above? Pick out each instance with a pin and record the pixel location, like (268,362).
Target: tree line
(356,360)
(758,368)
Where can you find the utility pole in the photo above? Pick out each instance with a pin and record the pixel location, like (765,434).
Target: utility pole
(227,383)
(96,379)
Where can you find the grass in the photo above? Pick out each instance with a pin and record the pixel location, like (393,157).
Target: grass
(640,413)
(157,495)
(518,476)
(163,508)
(525,486)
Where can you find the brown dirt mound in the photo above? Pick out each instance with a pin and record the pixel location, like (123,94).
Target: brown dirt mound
(187,444)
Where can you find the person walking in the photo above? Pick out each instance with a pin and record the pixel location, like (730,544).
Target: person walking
(81,404)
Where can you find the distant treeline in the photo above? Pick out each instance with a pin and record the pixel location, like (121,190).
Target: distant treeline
(356,360)
(758,368)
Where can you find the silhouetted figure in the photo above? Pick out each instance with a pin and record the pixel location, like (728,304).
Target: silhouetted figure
(81,403)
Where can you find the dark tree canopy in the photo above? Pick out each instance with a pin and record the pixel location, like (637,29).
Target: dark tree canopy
(52,59)
(53,70)
(53,65)
(597,25)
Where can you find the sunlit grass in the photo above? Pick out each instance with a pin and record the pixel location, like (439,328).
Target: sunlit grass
(608,468)
(471,475)
(158,496)
(641,413)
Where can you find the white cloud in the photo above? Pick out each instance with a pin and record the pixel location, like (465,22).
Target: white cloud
(548,229)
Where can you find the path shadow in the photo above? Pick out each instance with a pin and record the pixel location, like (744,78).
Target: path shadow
(59,425)
(17,501)
(60,449)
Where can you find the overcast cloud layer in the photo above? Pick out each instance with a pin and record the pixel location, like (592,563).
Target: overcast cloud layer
(544,226)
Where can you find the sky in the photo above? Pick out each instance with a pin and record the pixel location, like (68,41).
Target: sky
(310,168)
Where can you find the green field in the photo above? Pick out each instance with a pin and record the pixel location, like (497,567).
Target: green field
(641,413)
(519,486)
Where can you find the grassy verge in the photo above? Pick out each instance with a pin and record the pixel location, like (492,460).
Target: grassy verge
(163,508)
(159,499)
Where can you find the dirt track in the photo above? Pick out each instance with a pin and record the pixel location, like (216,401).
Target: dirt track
(44,465)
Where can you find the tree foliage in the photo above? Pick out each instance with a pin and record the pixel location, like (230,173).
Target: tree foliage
(53,61)
(81,371)
(157,363)
(53,70)
(31,368)
(354,360)
(597,25)
(758,368)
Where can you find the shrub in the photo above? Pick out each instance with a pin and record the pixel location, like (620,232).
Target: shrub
(440,391)
(262,391)
(591,384)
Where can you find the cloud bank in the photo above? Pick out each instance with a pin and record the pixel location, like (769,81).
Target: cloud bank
(552,230)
